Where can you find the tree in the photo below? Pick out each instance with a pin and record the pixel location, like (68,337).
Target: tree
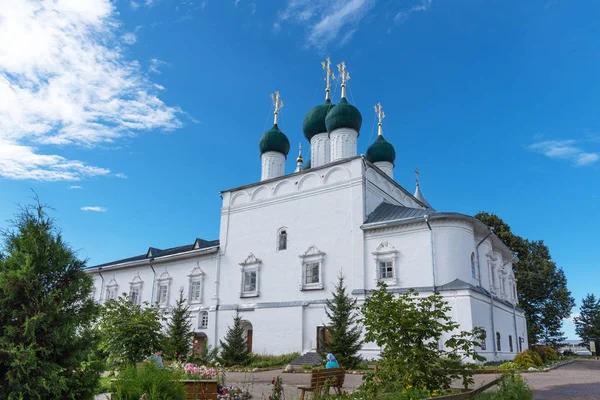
(409,330)
(587,324)
(345,333)
(542,286)
(45,311)
(234,351)
(179,330)
(130,332)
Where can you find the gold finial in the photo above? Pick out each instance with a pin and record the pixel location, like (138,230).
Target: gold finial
(277,104)
(380,117)
(328,74)
(417,175)
(344,75)
(299,159)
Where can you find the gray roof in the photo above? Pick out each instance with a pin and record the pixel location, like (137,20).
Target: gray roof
(390,212)
(198,244)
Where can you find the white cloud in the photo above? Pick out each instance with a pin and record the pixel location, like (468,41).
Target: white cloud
(151,3)
(402,16)
(94,209)
(134,5)
(155,65)
(75,187)
(565,150)
(326,20)
(129,38)
(65,81)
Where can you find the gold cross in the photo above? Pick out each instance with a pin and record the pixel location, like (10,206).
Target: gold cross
(344,75)
(328,74)
(380,115)
(417,174)
(277,103)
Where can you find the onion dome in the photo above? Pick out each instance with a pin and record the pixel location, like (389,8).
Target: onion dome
(343,115)
(381,150)
(314,121)
(274,140)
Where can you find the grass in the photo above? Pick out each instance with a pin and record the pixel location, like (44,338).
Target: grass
(104,386)
(271,361)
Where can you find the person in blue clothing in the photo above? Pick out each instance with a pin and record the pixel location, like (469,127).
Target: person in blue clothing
(331,362)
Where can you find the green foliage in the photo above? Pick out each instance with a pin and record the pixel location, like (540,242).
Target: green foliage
(510,387)
(528,359)
(409,329)
(156,383)
(208,356)
(130,332)
(179,330)
(587,324)
(547,304)
(547,354)
(234,350)
(46,350)
(277,391)
(345,333)
(510,366)
(267,361)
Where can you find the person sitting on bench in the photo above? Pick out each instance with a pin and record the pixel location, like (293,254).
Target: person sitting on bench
(331,362)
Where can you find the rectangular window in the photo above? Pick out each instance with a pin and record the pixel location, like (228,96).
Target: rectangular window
(111,294)
(162,294)
(249,281)
(386,269)
(483,341)
(312,273)
(195,291)
(204,319)
(510,344)
(134,295)
(498,342)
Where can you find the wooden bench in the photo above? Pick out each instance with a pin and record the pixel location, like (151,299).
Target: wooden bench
(334,377)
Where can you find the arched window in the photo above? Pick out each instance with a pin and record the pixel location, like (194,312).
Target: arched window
(510,345)
(203,320)
(498,342)
(282,240)
(473,273)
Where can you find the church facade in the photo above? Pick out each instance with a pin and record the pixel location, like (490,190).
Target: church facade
(284,240)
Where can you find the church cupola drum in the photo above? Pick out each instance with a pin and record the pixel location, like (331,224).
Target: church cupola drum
(314,127)
(381,152)
(343,123)
(274,146)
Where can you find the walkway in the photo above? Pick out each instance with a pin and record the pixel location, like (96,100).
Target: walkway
(579,380)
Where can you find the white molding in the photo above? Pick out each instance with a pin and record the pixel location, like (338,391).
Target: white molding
(250,264)
(386,252)
(311,256)
(136,284)
(197,275)
(163,280)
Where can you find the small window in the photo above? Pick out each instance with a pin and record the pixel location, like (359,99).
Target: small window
(498,342)
(282,240)
(386,270)
(521,344)
(249,281)
(111,294)
(203,321)
(473,272)
(163,289)
(195,291)
(312,273)
(514,287)
(510,344)
(134,295)
(483,340)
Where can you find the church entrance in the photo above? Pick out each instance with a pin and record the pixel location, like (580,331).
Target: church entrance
(199,343)
(248,334)
(323,336)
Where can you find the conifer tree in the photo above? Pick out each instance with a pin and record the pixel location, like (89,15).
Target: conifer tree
(587,324)
(179,330)
(46,308)
(343,328)
(234,351)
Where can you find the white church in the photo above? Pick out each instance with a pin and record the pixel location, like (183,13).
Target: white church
(284,239)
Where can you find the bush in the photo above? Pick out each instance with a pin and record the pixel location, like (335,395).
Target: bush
(510,387)
(156,383)
(524,360)
(535,357)
(547,353)
(509,366)
(267,361)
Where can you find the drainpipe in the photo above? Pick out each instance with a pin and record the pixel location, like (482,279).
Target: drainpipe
(216,298)
(153,280)
(365,182)
(101,284)
(426,217)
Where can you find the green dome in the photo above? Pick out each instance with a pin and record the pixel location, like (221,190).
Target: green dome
(274,140)
(306,165)
(381,150)
(344,115)
(314,121)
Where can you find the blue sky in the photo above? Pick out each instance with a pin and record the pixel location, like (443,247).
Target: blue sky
(129,117)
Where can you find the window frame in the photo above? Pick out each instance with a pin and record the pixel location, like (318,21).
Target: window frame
(473,270)
(250,265)
(196,277)
(498,342)
(163,281)
(282,232)
(201,315)
(483,343)
(510,344)
(312,256)
(136,286)
(112,289)
(386,252)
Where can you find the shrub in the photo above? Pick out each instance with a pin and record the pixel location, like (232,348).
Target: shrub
(156,383)
(547,353)
(524,360)
(266,360)
(509,366)
(510,387)
(535,357)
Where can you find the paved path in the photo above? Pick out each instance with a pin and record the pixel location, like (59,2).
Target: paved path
(579,380)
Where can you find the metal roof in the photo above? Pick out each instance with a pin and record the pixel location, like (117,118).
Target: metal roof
(390,212)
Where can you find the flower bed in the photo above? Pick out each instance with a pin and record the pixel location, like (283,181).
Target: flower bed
(203,383)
